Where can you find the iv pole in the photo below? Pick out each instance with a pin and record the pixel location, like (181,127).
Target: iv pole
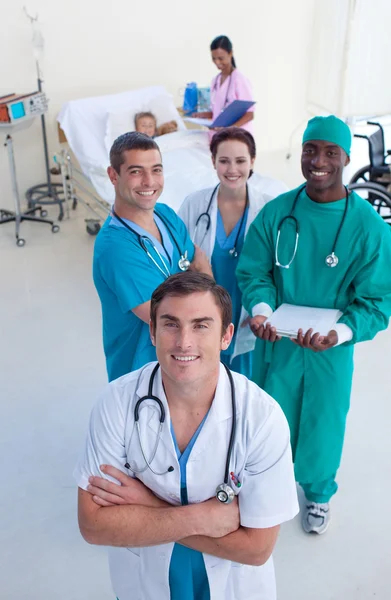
(48,192)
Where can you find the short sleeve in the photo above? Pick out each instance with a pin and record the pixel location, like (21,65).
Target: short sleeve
(128,272)
(244,90)
(105,439)
(269,496)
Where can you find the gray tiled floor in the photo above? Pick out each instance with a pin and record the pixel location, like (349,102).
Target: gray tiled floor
(52,369)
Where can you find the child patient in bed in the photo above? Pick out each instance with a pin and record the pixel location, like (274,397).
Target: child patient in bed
(145,122)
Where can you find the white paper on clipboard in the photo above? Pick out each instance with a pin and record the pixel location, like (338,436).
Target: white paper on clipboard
(288,319)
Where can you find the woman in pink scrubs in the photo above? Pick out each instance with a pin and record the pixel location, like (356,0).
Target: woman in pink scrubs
(230,84)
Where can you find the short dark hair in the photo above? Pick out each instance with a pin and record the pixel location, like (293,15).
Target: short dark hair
(134,140)
(190,282)
(233,133)
(141,115)
(223,42)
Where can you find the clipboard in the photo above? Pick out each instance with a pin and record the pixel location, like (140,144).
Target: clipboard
(288,319)
(228,117)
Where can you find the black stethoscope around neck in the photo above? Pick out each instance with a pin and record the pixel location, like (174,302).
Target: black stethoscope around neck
(332,259)
(224,492)
(206,216)
(143,240)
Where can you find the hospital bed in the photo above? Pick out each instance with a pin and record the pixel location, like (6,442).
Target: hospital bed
(90,126)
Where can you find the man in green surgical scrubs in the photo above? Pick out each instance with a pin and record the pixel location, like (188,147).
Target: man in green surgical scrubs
(311,377)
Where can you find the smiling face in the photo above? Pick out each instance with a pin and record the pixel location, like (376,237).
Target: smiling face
(140,180)
(222,59)
(146,125)
(188,337)
(322,165)
(233,164)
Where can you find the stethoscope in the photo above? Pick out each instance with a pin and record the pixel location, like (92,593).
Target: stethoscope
(332,259)
(183,262)
(224,492)
(228,89)
(205,215)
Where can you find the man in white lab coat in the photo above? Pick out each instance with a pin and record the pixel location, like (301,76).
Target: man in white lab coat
(148,475)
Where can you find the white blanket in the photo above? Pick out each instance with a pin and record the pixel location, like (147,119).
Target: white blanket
(92,124)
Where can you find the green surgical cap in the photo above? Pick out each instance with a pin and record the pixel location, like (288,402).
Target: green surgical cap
(329,129)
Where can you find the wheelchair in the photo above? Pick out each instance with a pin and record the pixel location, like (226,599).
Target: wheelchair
(373,182)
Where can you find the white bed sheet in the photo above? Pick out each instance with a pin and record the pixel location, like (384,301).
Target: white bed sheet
(88,126)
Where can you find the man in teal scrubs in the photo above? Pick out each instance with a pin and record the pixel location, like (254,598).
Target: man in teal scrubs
(140,244)
(311,378)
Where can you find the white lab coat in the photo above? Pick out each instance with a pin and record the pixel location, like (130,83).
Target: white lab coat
(261,459)
(261,190)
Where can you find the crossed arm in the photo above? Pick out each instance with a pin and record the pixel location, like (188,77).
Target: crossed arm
(129,514)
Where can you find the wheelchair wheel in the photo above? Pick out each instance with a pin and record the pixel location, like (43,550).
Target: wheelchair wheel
(361,176)
(376,195)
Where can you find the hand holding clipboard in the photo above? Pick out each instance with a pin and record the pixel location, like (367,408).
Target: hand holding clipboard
(228,117)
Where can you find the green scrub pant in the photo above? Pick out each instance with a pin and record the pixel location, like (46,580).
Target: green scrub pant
(321,491)
(313,390)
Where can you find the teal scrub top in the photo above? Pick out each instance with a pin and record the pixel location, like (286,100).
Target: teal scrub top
(125,277)
(224,267)
(187,576)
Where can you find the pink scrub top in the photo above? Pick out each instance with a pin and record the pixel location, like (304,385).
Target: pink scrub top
(235,87)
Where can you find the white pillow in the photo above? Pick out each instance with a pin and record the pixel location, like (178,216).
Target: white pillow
(121,120)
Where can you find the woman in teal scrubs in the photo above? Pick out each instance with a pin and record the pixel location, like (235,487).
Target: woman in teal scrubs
(218,219)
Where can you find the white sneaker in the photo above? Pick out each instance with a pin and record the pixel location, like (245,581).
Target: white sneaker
(316,517)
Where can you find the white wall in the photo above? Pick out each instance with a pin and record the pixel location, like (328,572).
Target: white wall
(353,37)
(95,48)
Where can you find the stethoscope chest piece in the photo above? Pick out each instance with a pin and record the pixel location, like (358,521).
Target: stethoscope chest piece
(184,262)
(331,260)
(224,493)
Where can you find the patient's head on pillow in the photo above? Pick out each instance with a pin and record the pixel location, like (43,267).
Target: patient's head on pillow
(145,122)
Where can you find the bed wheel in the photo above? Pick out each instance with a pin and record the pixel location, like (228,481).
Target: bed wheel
(93,227)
